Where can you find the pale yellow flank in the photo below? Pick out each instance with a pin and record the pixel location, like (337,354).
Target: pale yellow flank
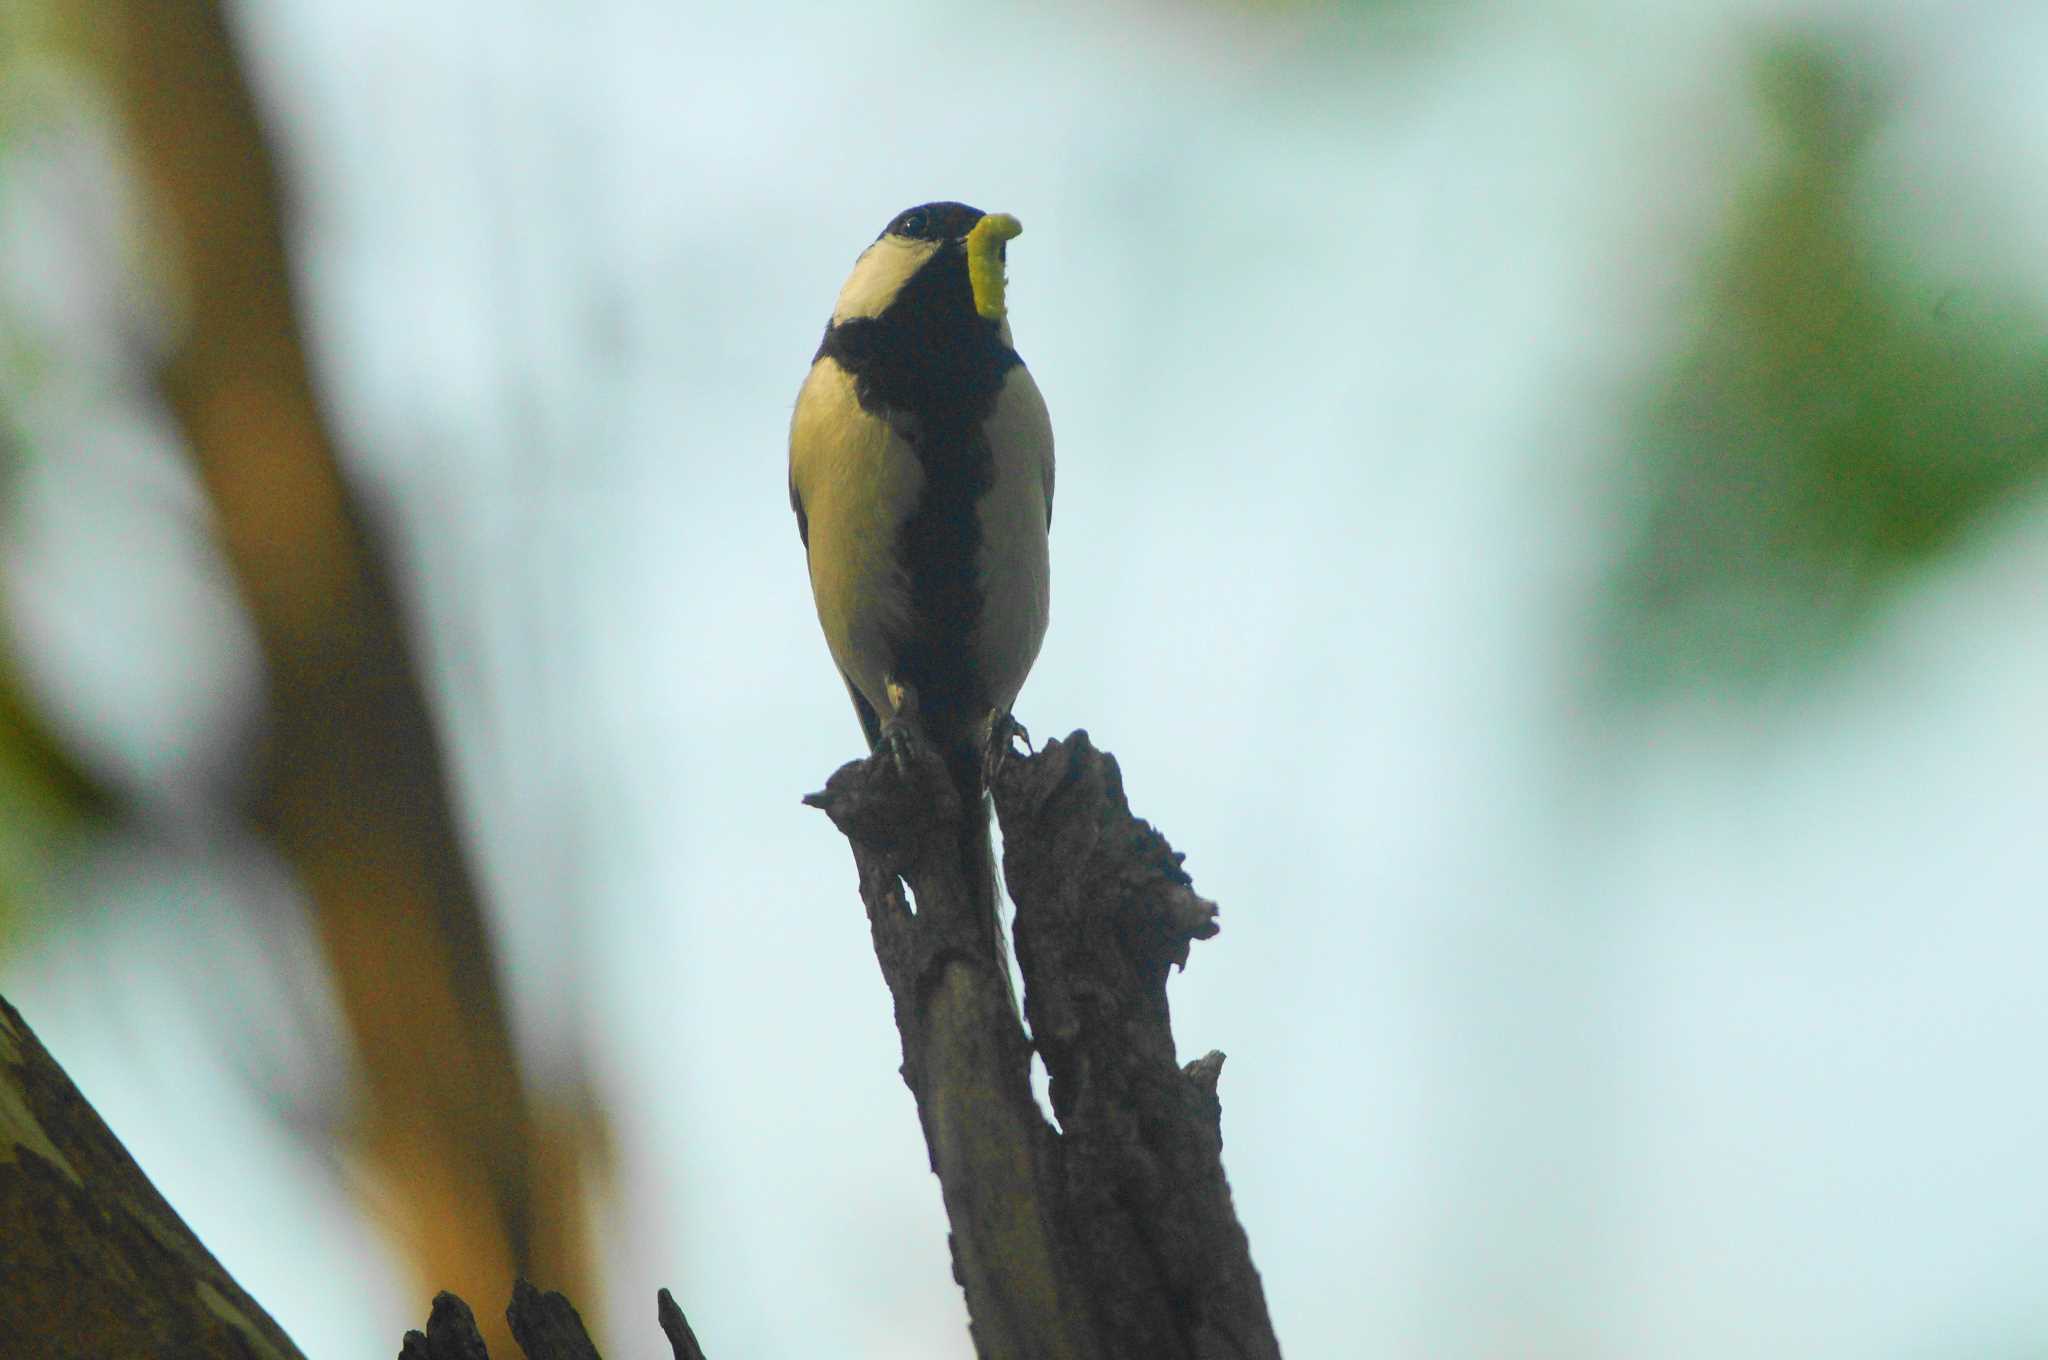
(985,262)
(858,481)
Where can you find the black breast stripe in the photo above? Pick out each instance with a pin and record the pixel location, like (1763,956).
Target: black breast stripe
(933,368)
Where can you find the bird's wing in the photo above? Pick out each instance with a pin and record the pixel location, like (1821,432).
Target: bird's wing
(1021,409)
(870,725)
(803,522)
(1041,437)
(1048,484)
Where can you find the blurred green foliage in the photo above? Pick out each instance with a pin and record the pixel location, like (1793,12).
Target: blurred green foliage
(1837,423)
(47,800)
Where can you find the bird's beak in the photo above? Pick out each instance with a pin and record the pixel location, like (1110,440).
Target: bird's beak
(985,261)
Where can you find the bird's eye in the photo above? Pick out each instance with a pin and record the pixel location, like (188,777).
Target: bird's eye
(913,224)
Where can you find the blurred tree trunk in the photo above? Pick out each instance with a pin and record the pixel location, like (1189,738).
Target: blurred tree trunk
(355,791)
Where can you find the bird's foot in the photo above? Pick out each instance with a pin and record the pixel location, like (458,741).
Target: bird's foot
(1003,729)
(900,744)
(902,738)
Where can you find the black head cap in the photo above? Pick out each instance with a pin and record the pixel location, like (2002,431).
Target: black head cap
(934,222)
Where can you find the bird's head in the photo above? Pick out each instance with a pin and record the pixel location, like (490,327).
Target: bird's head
(938,257)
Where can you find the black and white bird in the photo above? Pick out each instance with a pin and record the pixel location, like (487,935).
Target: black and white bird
(921,472)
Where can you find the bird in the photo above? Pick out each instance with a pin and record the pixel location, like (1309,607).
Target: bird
(921,474)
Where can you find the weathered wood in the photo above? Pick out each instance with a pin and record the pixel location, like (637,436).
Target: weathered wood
(681,1340)
(93,1262)
(545,1325)
(1113,1235)
(451,1334)
(966,1062)
(1104,914)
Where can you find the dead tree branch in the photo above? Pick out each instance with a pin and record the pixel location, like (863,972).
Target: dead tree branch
(1112,1235)
(95,1262)
(546,1326)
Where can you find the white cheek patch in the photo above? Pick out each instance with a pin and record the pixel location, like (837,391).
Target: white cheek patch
(879,275)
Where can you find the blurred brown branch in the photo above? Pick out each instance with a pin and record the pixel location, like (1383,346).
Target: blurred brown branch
(355,793)
(1113,1234)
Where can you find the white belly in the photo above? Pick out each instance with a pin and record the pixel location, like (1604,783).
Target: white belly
(1015,570)
(859,480)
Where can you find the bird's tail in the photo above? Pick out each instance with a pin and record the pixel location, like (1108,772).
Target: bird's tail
(978,857)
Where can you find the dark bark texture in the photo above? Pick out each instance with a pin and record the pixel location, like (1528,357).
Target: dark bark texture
(93,1262)
(546,1326)
(1112,1235)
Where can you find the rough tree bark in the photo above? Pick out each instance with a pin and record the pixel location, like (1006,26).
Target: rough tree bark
(93,1262)
(1112,1235)
(547,1327)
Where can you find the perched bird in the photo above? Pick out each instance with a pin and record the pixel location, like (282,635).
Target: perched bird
(921,473)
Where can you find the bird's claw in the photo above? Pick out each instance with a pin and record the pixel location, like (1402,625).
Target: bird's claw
(1003,728)
(899,745)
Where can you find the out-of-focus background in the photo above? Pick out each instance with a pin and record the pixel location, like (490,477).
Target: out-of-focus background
(1551,518)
